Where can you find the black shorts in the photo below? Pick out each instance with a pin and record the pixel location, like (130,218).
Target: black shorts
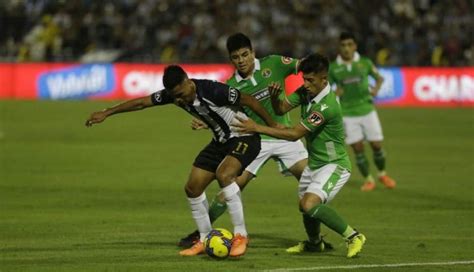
(245,149)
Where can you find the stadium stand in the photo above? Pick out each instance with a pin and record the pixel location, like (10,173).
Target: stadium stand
(393,33)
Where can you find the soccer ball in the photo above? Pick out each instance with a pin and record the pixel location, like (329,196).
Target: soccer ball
(218,243)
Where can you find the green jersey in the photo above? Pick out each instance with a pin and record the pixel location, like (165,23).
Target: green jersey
(354,80)
(267,70)
(322,116)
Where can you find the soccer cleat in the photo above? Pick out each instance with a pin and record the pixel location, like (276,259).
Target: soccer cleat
(307,246)
(355,244)
(368,186)
(196,249)
(239,245)
(189,240)
(387,181)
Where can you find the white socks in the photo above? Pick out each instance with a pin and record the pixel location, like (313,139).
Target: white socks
(200,212)
(234,205)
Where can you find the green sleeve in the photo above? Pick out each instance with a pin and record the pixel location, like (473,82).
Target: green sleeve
(315,118)
(285,64)
(294,99)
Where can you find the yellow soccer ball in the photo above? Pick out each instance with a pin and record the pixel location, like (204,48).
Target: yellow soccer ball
(218,243)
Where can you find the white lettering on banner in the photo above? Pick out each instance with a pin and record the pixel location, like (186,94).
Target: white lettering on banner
(136,83)
(94,81)
(444,88)
(387,90)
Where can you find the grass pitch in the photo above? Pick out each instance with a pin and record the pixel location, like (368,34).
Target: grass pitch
(110,198)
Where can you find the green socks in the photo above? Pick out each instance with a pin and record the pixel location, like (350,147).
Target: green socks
(329,217)
(312,227)
(216,209)
(362,164)
(379,159)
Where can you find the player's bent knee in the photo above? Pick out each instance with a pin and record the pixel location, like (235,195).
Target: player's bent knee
(192,191)
(376,146)
(225,178)
(308,203)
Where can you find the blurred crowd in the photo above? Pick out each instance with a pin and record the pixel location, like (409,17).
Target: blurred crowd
(392,32)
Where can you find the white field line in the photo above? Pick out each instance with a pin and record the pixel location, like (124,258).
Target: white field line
(315,268)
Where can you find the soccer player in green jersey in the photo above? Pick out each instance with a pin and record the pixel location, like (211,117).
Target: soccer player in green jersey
(252,76)
(350,73)
(328,166)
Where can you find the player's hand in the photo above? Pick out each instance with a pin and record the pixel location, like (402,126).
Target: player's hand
(95,118)
(243,125)
(339,91)
(275,89)
(197,124)
(374,91)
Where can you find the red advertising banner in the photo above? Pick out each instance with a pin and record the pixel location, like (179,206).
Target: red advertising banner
(450,87)
(439,86)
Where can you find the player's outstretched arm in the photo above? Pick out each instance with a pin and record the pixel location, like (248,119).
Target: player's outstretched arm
(130,105)
(280,107)
(254,105)
(249,126)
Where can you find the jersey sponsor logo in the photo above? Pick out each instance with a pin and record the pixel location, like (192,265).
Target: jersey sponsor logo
(324,106)
(315,118)
(261,95)
(266,73)
(352,80)
(77,82)
(286,60)
(233,95)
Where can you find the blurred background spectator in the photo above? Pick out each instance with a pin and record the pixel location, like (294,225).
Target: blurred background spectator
(392,33)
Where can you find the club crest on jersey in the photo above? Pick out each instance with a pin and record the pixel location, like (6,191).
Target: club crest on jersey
(286,60)
(315,118)
(266,73)
(233,95)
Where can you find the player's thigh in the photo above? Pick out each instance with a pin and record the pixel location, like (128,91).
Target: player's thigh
(291,153)
(372,127)
(266,151)
(353,129)
(228,170)
(198,181)
(240,153)
(325,182)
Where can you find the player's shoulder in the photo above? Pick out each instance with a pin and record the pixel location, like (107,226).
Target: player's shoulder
(333,64)
(231,81)
(365,59)
(277,59)
(329,104)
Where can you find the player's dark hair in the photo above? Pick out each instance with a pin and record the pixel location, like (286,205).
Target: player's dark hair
(347,36)
(237,41)
(314,63)
(173,76)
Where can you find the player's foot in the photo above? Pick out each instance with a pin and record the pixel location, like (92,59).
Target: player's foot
(368,186)
(307,246)
(355,244)
(189,240)
(239,245)
(196,249)
(388,182)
